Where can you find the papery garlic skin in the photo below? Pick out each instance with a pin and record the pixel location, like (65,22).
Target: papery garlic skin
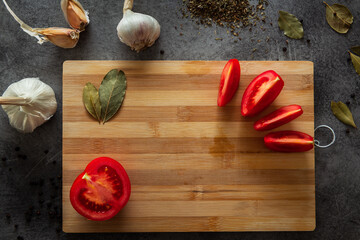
(75,14)
(61,37)
(137,30)
(41,104)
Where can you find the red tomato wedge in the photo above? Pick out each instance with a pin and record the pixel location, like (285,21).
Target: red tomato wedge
(289,141)
(229,82)
(102,190)
(278,118)
(261,92)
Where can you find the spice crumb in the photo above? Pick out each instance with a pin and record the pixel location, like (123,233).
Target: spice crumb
(46,151)
(54,162)
(308,41)
(181,34)
(352,95)
(347,102)
(4,159)
(286,41)
(20,238)
(284,49)
(162,52)
(16,226)
(17,149)
(347,131)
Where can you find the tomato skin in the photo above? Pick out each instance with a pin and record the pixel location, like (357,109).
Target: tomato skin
(261,92)
(229,82)
(289,141)
(278,118)
(92,172)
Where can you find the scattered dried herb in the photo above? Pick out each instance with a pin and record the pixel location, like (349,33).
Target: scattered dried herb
(112,92)
(343,113)
(91,101)
(233,14)
(291,26)
(338,17)
(355,58)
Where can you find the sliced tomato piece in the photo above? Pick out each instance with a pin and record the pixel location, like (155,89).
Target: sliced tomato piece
(229,82)
(278,118)
(261,92)
(289,141)
(102,190)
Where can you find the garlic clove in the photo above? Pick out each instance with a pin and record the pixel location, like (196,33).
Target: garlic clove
(75,14)
(40,104)
(138,30)
(61,37)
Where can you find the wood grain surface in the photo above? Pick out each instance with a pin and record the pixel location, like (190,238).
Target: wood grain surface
(193,166)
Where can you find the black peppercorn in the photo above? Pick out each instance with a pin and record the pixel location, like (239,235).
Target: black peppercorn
(20,238)
(17,149)
(4,159)
(347,102)
(162,52)
(46,151)
(352,95)
(284,49)
(347,131)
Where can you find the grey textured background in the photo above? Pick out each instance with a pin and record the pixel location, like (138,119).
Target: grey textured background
(30,165)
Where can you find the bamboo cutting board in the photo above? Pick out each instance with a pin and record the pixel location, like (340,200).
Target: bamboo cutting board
(193,166)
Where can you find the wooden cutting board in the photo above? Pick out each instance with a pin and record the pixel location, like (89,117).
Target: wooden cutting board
(193,166)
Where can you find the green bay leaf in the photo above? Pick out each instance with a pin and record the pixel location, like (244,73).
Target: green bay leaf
(91,101)
(339,17)
(291,26)
(343,113)
(356,62)
(112,92)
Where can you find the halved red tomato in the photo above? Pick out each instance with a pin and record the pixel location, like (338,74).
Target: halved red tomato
(261,92)
(229,82)
(102,190)
(278,118)
(289,141)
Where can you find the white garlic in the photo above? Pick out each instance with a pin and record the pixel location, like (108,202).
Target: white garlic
(137,30)
(28,104)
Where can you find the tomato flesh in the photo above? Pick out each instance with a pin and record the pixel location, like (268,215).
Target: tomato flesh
(102,190)
(278,118)
(229,82)
(261,92)
(289,141)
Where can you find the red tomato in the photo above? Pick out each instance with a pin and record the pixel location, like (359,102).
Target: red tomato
(229,82)
(102,190)
(261,92)
(279,117)
(289,141)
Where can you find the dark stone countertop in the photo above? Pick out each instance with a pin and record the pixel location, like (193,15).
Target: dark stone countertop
(30,173)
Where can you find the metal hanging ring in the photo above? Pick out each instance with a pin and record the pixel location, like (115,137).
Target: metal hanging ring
(317,142)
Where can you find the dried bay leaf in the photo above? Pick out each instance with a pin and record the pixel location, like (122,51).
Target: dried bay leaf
(112,92)
(91,101)
(339,17)
(356,62)
(291,26)
(343,113)
(356,50)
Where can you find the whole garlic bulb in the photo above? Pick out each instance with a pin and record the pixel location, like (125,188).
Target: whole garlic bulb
(137,30)
(34,103)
